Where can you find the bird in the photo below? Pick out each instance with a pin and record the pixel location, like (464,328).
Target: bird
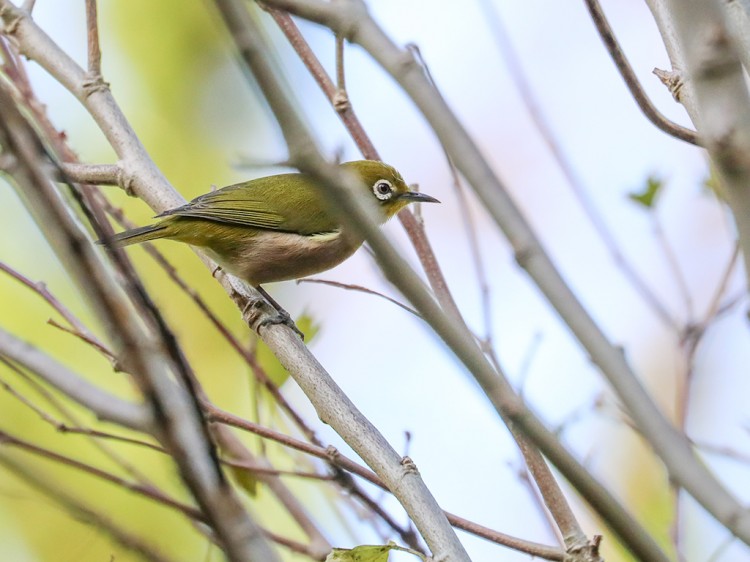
(276,228)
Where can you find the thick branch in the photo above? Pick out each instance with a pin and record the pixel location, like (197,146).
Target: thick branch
(332,405)
(723,103)
(631,80)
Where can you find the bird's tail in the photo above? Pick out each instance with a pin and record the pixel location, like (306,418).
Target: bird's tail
(135,236)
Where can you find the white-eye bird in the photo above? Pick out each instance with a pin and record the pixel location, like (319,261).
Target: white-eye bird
(277,227)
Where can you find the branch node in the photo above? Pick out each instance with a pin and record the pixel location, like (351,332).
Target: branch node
(93,84)
(126,181)
(350,22)
(341,101)
(409,466)
(407,61)
(333,454)
(673,80)
(523,256)
(12,19)
(587,552)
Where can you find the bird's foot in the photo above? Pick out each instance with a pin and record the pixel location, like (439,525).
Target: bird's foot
(257,315)
(281,317)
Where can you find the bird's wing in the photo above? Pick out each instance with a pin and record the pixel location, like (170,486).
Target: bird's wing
(287,202)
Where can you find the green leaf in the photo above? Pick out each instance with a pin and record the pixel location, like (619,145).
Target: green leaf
(275,371)
(246,480)
(364,553)
(368,553)
(647,197)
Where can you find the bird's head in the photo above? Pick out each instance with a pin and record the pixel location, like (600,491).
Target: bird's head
(386,186)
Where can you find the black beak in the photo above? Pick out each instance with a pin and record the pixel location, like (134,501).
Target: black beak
(416,196)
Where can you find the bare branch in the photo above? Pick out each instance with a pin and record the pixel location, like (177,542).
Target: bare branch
(359,288)
(95,53)
(333,406)
(573,178)
(722,114)
(149,491)
(41,289)
(105,406)
(180,425)
(413,227)
(337,459)
(100,174)
(631,80)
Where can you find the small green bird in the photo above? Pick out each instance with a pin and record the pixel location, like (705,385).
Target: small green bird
(278,227)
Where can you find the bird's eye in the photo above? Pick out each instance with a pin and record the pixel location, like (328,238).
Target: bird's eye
(382,189)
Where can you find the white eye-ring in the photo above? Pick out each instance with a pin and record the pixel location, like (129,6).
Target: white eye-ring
(383,189)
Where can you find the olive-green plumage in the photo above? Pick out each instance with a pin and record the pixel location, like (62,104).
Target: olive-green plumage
(278,227)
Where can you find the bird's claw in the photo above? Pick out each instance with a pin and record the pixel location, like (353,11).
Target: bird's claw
(281,317)
(258,318)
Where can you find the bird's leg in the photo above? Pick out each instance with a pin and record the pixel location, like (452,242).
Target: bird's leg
(281,316)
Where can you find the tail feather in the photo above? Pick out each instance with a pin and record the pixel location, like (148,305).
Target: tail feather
(135,235)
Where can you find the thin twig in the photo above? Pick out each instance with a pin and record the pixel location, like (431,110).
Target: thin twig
(361,289)
(103,404)
(22,399)
(332,455)
(96,344)
(255,469)
(470,226)
(99,174)
(147,491)
(319,74)
(340,70)
(41,289)
(71,418)
(529,99)
(413,227)
(547,485)
(631,80)
(94,49)
(714,306)
(673,264)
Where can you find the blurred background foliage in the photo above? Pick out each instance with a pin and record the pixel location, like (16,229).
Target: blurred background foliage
(172,71)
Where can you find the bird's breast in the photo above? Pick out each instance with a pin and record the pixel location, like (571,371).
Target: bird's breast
(270,256)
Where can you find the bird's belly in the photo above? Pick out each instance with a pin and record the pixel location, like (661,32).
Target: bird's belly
(271,256)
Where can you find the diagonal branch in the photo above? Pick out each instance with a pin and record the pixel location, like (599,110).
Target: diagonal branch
(399,474)
(722,111)
(104,405)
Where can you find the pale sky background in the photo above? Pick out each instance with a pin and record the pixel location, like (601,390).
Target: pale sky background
(391,366)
